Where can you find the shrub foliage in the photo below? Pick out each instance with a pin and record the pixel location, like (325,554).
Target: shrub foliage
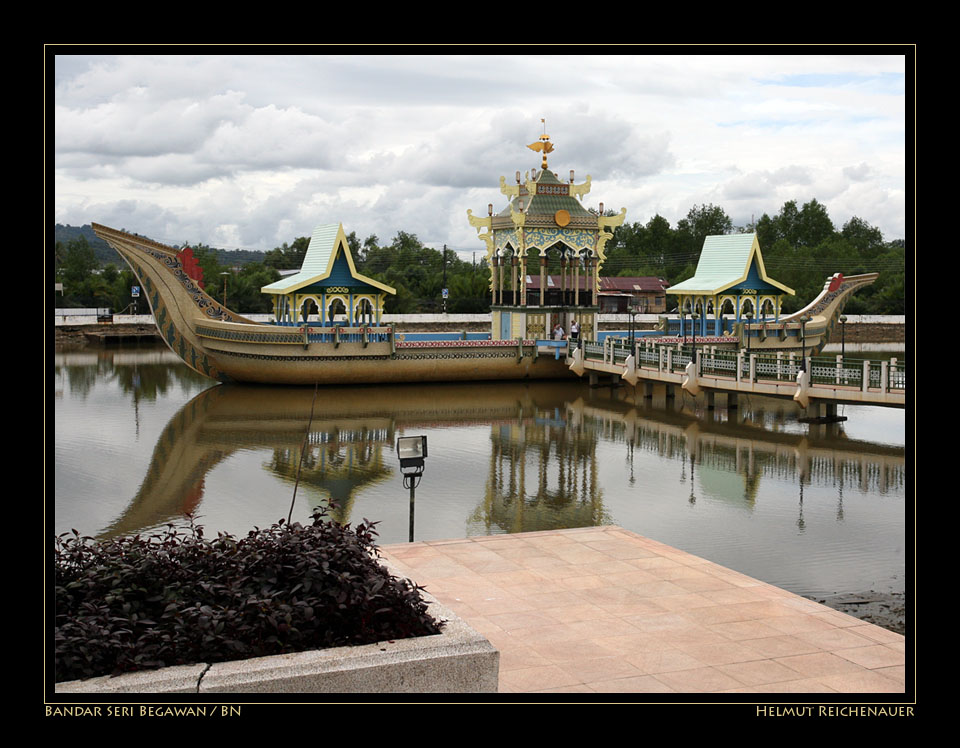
(178,598)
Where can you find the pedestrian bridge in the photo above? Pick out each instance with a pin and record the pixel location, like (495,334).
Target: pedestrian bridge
(817,383)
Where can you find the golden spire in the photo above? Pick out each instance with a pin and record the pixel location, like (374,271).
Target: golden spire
(543,144)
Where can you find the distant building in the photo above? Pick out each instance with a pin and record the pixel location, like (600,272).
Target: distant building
(646,294)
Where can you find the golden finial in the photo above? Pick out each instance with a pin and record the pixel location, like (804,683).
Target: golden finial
(543,145)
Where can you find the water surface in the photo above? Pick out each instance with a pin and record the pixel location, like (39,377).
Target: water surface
(140,440)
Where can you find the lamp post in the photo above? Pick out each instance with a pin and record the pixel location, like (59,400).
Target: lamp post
(412,450)
(693,333)
(224,274)
(843,341)
(803,342)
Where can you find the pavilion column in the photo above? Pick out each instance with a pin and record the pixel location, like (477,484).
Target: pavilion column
(523,279)
(513,278)
(543,277)
(576,281)
(563,279)
(500,281)
(595,279)
(493,279)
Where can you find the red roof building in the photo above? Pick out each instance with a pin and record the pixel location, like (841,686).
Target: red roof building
(646,294)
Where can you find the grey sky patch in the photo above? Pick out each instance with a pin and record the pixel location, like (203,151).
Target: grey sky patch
(247,147)
(858,173)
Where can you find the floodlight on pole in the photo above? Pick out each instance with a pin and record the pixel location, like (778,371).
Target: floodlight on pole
(412,451)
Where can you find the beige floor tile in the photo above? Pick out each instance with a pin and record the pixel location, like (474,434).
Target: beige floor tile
(659,622)
(698,680)
(532,679)
(714,653)
(589,670)
(663,661)
(513,620)
(836,618)
(806,685)
(758,672)
(740,630)
(779,646)
(637,606)
(714,614)
(518,658)
(560,651)
(629,578)
(820,665)
(602,628)
(684,601)
(630,644)
(578,611)
(873,657)
(797,624)
(863,681)
(702,582)
(834,639)
(637,684)
(877,633)
(897,673)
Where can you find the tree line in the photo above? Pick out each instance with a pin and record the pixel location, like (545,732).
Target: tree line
(801,247)
(800,244)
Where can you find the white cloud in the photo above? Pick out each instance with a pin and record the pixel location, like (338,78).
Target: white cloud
(255,150)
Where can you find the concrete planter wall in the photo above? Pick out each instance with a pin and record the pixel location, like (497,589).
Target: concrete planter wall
(459,660)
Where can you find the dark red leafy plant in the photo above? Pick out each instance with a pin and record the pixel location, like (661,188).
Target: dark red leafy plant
(179,598)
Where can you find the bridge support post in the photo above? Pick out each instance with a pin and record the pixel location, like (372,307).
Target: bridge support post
(647,389)
(732,401)
(711,397)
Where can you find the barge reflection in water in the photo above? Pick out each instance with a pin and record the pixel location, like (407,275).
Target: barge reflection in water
(814,509)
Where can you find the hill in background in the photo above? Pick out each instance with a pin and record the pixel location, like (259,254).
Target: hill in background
(106,255)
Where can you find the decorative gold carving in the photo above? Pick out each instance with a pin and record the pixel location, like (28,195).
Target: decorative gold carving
(605,222)
(562,217)
(544,146)
(579,190)
(481,223)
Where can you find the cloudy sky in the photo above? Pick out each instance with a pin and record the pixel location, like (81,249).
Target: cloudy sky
(254,151)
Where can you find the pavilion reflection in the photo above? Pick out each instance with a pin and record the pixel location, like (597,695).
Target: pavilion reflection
(543,470)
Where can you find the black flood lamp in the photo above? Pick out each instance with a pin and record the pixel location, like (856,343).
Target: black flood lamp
(412,450)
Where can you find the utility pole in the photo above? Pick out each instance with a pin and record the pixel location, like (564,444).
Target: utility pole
(444,279)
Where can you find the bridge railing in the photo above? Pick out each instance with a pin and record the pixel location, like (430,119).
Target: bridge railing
(863,374)
(887,376)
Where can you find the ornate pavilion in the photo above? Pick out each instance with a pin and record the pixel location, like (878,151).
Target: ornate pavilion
(544,218)
(329,279)
(730,277)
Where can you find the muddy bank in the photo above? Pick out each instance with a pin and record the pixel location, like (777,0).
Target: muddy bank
(886,609)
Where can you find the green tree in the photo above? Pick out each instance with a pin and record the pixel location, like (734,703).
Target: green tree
(702,221)
(79,262)
(813,225)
